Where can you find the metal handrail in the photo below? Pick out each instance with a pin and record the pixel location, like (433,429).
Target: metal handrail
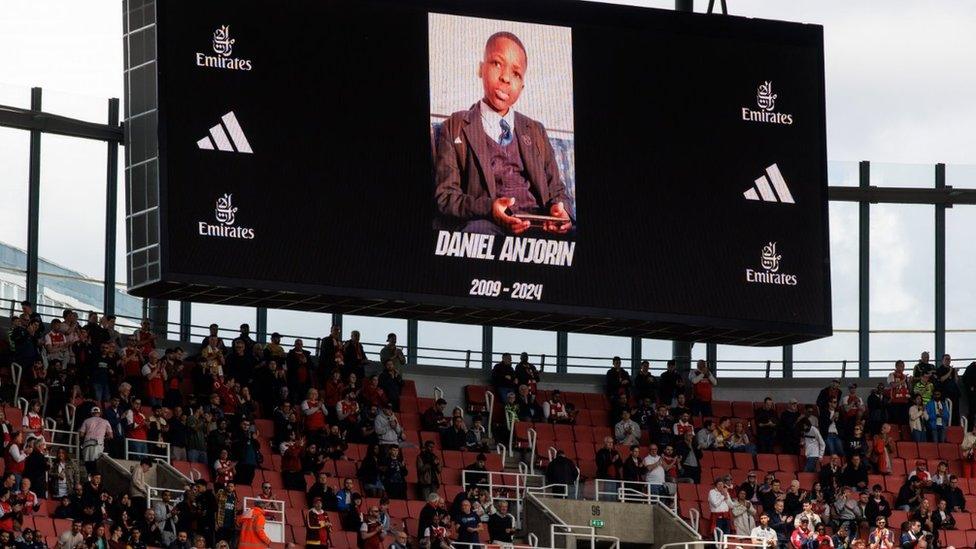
(533,439)
(490,403)
(148,453)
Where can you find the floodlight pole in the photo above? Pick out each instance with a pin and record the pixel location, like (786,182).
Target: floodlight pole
(940,266)
(864,277)
(111,204)
(33,202)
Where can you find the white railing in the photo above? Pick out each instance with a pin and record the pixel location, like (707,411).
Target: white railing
(60,438)
(502,451)
(156,494)
(549,490)
(510,487)
(510,422)
(438,393)
(274,515)
(569,532)
(533,438)
(633,491)
(490,403)
(709,544)
(70,411)
(739,541)
(694,519)
(16,371)
(162,450)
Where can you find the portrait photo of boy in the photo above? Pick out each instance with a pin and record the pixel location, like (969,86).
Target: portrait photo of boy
(496,171)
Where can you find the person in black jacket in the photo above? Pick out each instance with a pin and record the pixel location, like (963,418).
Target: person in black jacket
(878,506)
(855,473)
(618,380)
(633,468)
(955,499)
(528,408)
(608,464)
(645,384)
(562,470)
(501,525)
(503,377)
(455,437)
(668,383)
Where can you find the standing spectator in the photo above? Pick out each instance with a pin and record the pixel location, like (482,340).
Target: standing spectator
(393,473)
(788,431)
(813,445)
(355,359)
(387,428)
(898,402)
(94,432)
(766,426)
(802,536)
(946,381)
(969,386)
(918,419)
(247,448)
(689,458)
(391,381)
(878,405)
(633,469)
(830,421)
(528,408)
(501,525)
(882,447)
(923,386)
(332,357)
(720,506)
(878,506)
(617,380)
(609,464)
(527,374)
(503,377)
(781,523)
(702,381)
(939,416)
(645,384)
(561,470)
(654,470)
(968,451)
(763,535)
(390,352)
(668,384)
(881,537)
(428,470)
(56,345)
(139,489)
(14,457)
(827,393)
(743,514)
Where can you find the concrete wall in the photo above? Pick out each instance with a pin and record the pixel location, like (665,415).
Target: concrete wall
(631,522)
(667,529)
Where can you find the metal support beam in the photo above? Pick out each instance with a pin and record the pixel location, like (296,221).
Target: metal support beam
(261,325)
(787,361)
(111,204)
(898,195)
(487,348)
(33,202)
(940,266)
(158,317)
(186,315)
(562,352)
(864,278)
(337,321)
(711,356)
(681,353)
(636,350)
(412,338)
(35,120)
(684,5)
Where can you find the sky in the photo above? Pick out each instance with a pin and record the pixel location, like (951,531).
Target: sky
(899,93)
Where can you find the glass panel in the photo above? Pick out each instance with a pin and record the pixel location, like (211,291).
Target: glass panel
(227,317)
(592,354)
(962,348)
(902,276)
(960,268)
(961,176)
(15,96)
(659,351)
(83,107)
(445,344)
(824,357)
(14,164)
(173,318)
(309,327)
(740,361)
(887,348)
(843,173)
(517,341)
(72,224)
(887,174)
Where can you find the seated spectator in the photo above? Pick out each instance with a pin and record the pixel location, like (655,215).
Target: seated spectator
(373,394)
(750,486)
(878,506)
(911,534)
(476,473)
(794,498)
(706,436)
(477,438)
(680,406)
(770,492)
(627,431)
(909,495)
(456,436)
(807,514)
(763,535)
(942,518)
(739,441)
(781,523)
(921,473)
(918,418)
(353,516)
(433,418)
(923,514)
(528,408)
(855,473)
(322,490)
(345,497)
(683,425)
(953,495)
(660,427)
(821,538)
(393,472)
(554,409)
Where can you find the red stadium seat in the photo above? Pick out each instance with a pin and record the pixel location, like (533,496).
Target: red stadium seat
(431,435)
(970,538)
(599,418)
(742,460)
(415,507)
(954,434)
(766,463)
(928,450)
(583,418)
(721,408)
(408,404)
(743,410)
(564,434)
(410,421)
(897,517)
(454,459)
(409,388)
(544,431)
(906,450)
(584,433)
(724,460)
(346,469)
(788,463)
(601,432)
(449,492)
(893,483)
(955,537)
(687,491)
(578,400)
(964,521)
(596,401)
(807,480)
(947,450)
(475,397)
(451,475)
(898,467)
(494,461)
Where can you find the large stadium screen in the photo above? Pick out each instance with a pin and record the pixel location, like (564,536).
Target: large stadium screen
(592,164)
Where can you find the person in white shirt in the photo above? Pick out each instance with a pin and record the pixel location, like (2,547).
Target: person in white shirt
(813,518)
(720,505)
(627,431)
(655,470)
(763,535)
(813,445)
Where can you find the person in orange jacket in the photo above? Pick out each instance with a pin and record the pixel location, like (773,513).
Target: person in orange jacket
(251,524)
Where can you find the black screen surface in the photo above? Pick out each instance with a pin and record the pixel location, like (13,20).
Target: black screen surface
(694,173)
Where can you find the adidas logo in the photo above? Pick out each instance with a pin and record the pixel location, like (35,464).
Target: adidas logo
(766,193)
(223,139)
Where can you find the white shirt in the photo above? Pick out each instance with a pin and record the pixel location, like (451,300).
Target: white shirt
(762,536)
(656,475)
(491,121)
(718,502)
